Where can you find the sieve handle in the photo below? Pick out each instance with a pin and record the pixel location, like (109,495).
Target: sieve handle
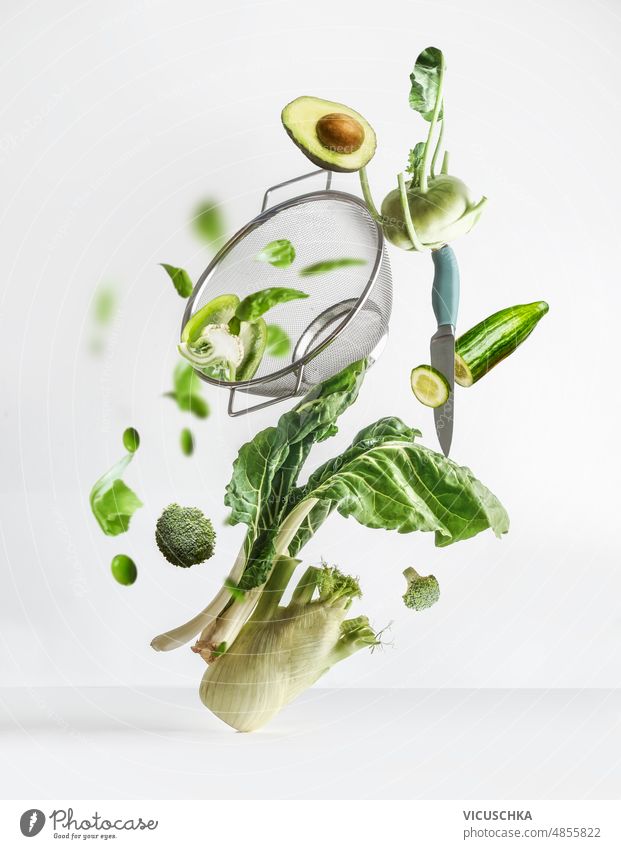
(267,194)
(293,394)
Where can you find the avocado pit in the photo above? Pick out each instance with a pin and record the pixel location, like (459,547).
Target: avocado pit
(340,133)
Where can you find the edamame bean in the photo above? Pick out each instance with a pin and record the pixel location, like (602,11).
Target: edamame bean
(123,569)
(131,439)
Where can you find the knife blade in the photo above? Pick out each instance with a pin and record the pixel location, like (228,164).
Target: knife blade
(445,302)
(443,359)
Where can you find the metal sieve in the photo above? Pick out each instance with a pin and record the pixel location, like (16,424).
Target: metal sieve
(345,318)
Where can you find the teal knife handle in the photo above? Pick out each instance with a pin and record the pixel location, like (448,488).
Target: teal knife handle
(445,292)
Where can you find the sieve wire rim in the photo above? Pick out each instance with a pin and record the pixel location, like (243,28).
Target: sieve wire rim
(319,194)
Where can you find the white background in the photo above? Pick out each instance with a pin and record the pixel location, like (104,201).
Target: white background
(116,119)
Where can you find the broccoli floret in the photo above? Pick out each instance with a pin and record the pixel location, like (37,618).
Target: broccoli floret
(184,535)
(423,590)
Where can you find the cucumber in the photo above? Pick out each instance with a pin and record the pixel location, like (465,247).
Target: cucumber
(493,339)
(430,386)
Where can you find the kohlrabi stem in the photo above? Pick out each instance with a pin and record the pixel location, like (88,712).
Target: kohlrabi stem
(184,633)
(274,589)
(438,144)
(445,162)
(303,593)
(407,218)
(432,125)
(366,193)
(478,206)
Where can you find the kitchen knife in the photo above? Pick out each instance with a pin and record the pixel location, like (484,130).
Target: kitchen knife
(445,302)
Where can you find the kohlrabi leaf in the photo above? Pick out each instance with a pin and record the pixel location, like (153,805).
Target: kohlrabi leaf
(113,503)
(266,469)
(180,278)
(415,159)
(280,253)
(278,343)
(253,306)
(187,391)
(384,430)
(209,223)
(425,79)
(400,485)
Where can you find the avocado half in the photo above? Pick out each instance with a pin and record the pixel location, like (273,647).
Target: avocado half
(332,135)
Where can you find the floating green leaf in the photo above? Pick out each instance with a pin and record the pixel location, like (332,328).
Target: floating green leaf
(103,312)
(104,305)
(280,253)
(253,306)
(278,343)
(186,440)
(187,391)
(180,278)
(330,265)
(425,79)
(113,503)
(209,223)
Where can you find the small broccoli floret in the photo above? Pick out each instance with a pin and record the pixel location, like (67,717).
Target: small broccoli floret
(423,590)
(184,535)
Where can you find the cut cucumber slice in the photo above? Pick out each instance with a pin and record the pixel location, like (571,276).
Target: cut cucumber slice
(430,386)
(463,375)
(218,311)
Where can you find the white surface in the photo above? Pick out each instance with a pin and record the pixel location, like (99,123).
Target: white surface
(102,743)
(116,119)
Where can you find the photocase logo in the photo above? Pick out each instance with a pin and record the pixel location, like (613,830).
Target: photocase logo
(31,822)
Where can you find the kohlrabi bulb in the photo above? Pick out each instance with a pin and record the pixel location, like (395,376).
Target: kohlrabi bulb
(446,210)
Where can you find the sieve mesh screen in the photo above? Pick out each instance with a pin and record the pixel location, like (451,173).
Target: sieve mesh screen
(324,226)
